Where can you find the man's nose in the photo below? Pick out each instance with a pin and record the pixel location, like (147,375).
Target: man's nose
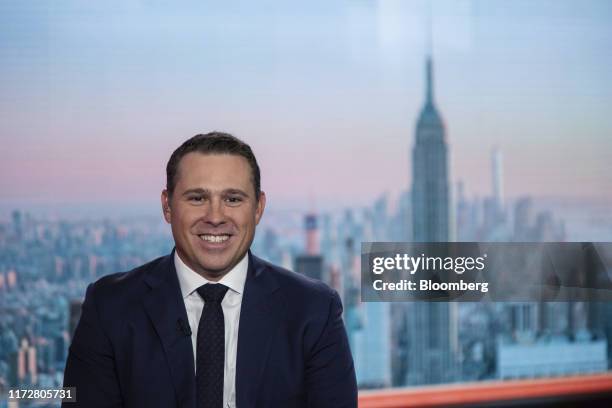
(215,215)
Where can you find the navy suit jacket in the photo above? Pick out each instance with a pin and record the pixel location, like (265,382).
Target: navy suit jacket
(129,349)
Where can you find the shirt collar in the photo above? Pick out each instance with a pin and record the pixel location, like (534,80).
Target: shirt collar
(189,280)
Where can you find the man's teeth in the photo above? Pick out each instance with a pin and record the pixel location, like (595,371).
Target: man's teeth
(214,238)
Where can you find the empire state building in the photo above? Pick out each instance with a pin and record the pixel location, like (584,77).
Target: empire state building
(430,191)
(431,327)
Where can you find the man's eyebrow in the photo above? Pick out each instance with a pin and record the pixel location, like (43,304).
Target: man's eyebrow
(235,191)
(202,191)
(195,191)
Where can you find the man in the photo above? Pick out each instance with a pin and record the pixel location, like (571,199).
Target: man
(211,325)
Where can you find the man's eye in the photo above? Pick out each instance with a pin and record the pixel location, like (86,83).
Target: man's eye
(197,199)
(233,200)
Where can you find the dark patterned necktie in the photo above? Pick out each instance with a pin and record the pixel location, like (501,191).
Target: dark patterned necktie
(210,351)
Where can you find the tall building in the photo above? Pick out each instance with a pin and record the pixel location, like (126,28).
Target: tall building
(17,225)
(523,219)
(311,263)
(312,234)
(401,224)
(368,323)
(23,365)
(497,177)
(431,327)
(430,187)
(467,224)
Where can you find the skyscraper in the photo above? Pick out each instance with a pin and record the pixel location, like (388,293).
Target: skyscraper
(497,177)
(311,263)
(312,234)
(430,187)
(431,326)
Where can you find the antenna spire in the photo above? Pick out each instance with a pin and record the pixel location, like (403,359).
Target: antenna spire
(429,28)
(429,58)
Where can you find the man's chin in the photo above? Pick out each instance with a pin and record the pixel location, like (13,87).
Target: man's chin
(214,271)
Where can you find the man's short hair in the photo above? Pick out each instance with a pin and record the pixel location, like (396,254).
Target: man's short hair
(212,143)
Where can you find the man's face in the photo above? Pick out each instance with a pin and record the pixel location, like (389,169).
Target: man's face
(213,212)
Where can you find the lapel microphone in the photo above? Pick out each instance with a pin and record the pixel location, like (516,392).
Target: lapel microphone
(183,327)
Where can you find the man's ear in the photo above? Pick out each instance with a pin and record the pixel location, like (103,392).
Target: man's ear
(261,205)
(165,202)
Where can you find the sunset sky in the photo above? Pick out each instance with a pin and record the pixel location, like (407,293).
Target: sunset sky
(94,96)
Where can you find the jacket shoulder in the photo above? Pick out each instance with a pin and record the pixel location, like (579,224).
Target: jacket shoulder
(120,284)
(301,292)
(289,279)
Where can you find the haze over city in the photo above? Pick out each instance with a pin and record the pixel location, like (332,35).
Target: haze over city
(504,138)
(95,97)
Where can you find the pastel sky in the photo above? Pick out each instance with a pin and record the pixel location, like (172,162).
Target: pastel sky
(94,96)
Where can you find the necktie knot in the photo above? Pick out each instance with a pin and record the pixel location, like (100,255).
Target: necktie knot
(212,292)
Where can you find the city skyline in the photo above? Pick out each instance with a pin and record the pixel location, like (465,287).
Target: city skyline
(94,105)
(89,136)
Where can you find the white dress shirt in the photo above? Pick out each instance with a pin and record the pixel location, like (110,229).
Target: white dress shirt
(189,281)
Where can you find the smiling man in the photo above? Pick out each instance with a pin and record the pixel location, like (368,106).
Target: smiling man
(211,325)
(213,205)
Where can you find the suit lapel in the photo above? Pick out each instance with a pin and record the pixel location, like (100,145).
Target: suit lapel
(165,306)
(259,320)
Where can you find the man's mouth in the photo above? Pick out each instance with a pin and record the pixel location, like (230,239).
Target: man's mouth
(215,239)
